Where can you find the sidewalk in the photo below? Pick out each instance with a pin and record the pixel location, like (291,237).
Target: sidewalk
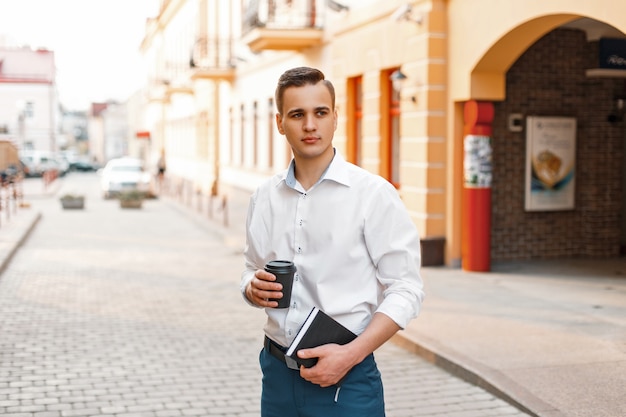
(549,337)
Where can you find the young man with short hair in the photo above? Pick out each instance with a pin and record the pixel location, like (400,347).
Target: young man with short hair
(357,256)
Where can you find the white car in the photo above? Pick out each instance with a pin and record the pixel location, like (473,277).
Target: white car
(124,174)
(39,162)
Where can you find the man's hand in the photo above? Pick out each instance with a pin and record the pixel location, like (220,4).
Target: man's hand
(262,287)
(334,362)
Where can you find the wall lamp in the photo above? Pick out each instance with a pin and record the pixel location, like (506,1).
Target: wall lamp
(406,13)
(336,6)
(398,79)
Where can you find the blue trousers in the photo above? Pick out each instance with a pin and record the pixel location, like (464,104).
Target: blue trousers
(286,394)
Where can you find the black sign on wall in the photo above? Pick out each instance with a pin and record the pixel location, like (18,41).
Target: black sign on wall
(613,53)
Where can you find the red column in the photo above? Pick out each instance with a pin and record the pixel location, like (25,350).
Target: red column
(476,221)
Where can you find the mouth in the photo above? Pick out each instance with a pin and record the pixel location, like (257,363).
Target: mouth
(310,139)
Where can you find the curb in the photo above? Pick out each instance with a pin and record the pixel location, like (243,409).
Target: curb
(476,374)
(15,234)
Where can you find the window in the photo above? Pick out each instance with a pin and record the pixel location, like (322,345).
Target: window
(29,109)
(270,132)
(389,129)
(355,118)
(231,136)
(242,136)
(255,133)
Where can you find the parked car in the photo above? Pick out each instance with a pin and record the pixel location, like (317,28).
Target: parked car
(124,174)
(83,165)
(38,162)
(63,163)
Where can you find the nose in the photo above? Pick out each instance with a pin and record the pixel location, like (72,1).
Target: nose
(309,123)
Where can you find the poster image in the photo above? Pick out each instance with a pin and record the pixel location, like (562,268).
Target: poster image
(477,161)
(550,163)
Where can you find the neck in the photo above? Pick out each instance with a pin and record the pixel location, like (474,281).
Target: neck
(309,171)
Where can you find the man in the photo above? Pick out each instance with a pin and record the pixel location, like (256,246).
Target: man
(356,252)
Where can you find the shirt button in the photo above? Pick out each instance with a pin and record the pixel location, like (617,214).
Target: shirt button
(299,249)
(289,332)
(296,277)
(293,305)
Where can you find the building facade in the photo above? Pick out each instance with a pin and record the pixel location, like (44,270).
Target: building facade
(500,123)
(29,102)
(108,131)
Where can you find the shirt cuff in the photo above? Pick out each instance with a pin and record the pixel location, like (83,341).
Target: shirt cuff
(399,309)
(246,278)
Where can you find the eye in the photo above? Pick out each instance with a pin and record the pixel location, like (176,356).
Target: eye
(322,113)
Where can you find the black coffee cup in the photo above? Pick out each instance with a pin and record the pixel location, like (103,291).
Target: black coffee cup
(284,271)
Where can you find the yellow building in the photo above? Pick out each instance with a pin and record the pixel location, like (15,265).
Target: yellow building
(501,123)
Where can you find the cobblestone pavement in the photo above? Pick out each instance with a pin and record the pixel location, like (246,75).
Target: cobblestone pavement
(137,313)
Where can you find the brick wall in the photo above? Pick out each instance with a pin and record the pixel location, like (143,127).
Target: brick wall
(549,80)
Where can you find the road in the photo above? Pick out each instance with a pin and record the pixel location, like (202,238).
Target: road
(137,313)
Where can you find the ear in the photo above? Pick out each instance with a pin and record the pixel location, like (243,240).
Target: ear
(279,124)
(336,116)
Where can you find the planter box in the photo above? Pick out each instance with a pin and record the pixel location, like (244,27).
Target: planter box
(73,203)
(132,203)
(433,251)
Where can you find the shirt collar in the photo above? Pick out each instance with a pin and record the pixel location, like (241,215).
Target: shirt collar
(337,171)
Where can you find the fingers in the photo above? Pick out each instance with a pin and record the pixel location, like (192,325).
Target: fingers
(262,288)
(321,374)
(331,367)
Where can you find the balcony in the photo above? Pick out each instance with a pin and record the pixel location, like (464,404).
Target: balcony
(283,25)
(161,90)
(157,91)
(212,58)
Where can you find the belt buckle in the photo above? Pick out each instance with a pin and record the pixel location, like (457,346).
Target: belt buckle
(291,363)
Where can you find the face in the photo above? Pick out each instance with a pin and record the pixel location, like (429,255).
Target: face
(308,121)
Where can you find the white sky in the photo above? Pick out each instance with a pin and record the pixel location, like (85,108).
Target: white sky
(96,43)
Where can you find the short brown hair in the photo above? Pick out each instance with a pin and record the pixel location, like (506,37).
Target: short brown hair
(299,77)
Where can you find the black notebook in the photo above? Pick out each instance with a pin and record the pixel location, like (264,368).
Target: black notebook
(318,329)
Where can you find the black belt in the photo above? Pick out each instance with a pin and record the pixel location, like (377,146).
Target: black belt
(278,352)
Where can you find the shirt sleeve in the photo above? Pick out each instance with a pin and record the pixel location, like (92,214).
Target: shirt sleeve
(394,246)
(248,274)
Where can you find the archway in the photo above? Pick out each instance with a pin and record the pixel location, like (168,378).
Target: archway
(542,69)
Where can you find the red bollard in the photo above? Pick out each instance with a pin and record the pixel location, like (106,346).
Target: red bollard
(476,220)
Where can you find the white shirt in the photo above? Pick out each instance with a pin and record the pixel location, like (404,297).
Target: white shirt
(354,245)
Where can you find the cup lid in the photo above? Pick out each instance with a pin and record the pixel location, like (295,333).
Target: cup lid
(279,263)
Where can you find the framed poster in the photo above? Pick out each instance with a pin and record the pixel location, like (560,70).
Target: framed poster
(550,163)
